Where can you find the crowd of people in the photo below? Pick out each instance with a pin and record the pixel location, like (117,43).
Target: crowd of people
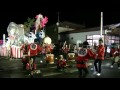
(98,53)
(31,51)
(81,56)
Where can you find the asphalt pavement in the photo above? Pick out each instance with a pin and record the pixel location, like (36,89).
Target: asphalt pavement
(14,69)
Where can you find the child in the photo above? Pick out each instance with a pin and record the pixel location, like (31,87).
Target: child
(61,65)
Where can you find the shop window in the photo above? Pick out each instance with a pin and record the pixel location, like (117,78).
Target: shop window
(89,37)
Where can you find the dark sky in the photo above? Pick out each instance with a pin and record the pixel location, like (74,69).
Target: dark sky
(90,19)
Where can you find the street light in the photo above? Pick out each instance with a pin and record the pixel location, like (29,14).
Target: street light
(58,20)
(57,24)
(57,27)
(101,28)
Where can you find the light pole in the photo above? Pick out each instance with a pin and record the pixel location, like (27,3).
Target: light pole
(58,21)
(101,28)
(57,24)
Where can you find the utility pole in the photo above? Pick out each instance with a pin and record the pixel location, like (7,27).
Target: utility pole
(58,21)
(101,29)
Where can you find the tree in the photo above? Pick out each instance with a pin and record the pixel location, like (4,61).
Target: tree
(28,24)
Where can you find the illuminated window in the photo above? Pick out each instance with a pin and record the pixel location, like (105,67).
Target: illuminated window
(89,37)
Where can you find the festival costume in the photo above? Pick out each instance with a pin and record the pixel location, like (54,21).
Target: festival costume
(25,58)
(116,58)
(65,51)
(84,55)
(61,64)
(33,50)
(100,57)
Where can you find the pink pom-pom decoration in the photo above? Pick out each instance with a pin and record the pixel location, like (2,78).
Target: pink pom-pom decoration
(36,16)
(44,21)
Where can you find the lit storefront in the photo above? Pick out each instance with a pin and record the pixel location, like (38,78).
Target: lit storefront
(91,39)
(108,39)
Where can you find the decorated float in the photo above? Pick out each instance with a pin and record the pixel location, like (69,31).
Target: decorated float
(17,36)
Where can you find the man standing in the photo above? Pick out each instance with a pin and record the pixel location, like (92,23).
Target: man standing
(84,54)
(100,57)
(33,50)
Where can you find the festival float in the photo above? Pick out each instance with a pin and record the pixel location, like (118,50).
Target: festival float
(17,37)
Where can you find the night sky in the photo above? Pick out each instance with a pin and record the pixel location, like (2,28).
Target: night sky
(90,19)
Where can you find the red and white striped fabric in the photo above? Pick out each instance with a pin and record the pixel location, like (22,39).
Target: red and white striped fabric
(0,50)
(3,51)
(16,52)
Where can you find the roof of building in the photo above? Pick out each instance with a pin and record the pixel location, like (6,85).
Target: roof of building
(115,31)
(67,27)
(71,25)
(84,30)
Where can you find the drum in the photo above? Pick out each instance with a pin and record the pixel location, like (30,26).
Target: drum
(50,58)
(71,56)
(117,59)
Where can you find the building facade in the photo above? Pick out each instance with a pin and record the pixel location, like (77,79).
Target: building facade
(91,35)
(54,31)
(77,34)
